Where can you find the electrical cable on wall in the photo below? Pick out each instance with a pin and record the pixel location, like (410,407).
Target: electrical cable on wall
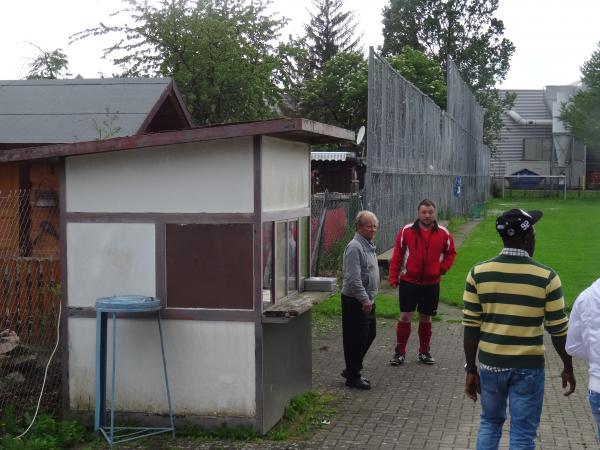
(37,409)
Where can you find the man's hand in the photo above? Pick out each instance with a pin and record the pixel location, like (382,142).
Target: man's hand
(472,386)
(568,379)
(367,307)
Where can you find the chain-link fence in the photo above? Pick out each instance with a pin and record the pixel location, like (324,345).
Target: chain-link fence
(332,225)
(416,150)
(29,300)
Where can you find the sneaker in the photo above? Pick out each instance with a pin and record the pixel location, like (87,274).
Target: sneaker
(426,358)
(397,360)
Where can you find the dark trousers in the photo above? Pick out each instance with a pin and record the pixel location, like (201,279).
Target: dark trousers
(358,332)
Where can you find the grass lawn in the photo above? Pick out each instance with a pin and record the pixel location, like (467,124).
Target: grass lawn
(567,239)
(386,301)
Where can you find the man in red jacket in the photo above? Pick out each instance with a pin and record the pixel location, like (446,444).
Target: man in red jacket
(423,252)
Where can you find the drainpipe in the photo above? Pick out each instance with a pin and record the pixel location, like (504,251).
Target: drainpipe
(521,121)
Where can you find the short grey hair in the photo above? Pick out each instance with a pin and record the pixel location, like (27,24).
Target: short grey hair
(363,213)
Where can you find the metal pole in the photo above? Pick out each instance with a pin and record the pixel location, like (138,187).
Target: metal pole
(370,129)
(164,358)
(114,369)
(565,186)
(100,401)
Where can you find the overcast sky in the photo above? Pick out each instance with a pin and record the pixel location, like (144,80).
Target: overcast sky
(553,37)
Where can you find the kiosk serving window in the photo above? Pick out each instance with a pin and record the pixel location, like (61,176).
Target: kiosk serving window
(287,264)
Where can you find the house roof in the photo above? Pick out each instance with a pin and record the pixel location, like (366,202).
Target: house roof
(75,110)
(294,129)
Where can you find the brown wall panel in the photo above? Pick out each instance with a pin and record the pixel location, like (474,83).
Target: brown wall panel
(209,266)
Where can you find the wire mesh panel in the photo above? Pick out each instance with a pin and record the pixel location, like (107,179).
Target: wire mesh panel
(332,217)
(29,299)
(415,150)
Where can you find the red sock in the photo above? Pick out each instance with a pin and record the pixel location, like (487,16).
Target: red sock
(402,335)
(424,336)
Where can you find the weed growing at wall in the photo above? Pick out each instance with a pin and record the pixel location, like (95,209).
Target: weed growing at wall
(46,434)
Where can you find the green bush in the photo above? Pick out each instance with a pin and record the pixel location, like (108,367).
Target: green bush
(46,433)
(332,260)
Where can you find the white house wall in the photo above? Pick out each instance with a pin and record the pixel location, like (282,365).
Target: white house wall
(105,259)
(210,364)
(285,174)
(213,177)
(530,105)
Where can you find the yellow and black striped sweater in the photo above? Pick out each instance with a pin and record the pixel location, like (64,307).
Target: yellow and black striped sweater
(508,301)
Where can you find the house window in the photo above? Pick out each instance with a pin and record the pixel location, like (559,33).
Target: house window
(292,246)
(290,257)
(304,247)
(280,260)
(537,149)
(267,258)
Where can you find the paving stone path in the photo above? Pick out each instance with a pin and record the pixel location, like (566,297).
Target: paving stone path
(418,407)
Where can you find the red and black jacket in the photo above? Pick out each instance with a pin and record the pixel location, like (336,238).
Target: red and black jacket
(419,261)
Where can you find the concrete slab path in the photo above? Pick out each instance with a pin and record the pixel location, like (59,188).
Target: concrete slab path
(418,407)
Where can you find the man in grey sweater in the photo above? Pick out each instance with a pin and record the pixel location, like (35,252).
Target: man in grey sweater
(361,282)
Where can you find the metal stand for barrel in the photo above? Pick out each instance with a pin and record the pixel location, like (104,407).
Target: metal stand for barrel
(113,305)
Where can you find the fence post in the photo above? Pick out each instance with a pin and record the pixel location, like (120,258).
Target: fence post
(316,254)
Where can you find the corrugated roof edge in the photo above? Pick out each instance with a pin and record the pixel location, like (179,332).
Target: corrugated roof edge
(84,81)
(296,129)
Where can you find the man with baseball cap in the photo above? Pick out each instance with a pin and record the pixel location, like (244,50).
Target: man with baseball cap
(508,301)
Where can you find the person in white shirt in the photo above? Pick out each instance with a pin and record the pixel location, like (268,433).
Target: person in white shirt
(583,341)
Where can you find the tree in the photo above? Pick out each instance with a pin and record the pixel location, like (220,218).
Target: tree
(465,30)
(423,72)
(48,65)
(219,52)
(582,114)
(338,95)
(329,32)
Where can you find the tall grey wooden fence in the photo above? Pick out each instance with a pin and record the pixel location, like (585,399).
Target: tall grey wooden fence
(415,150)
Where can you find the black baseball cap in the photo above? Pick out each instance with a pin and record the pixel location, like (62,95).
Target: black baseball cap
(517,221)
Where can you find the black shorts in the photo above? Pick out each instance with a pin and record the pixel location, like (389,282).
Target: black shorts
(423,298)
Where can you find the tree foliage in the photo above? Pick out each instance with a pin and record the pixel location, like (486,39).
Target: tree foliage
(466,31)
(220,53)
(423,72)
(48,64)
(331,30)
(339,94)
(582,114)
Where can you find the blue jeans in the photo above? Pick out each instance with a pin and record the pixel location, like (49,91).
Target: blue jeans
(594,398)
(524,390)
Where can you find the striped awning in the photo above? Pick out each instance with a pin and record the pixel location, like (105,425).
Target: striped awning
(332,156)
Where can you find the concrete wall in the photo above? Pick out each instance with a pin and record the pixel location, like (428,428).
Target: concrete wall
(211,366)
(105,259)
(286,373)
(285,174)
(213,176)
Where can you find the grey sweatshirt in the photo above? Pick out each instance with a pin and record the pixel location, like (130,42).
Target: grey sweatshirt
(361,272)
